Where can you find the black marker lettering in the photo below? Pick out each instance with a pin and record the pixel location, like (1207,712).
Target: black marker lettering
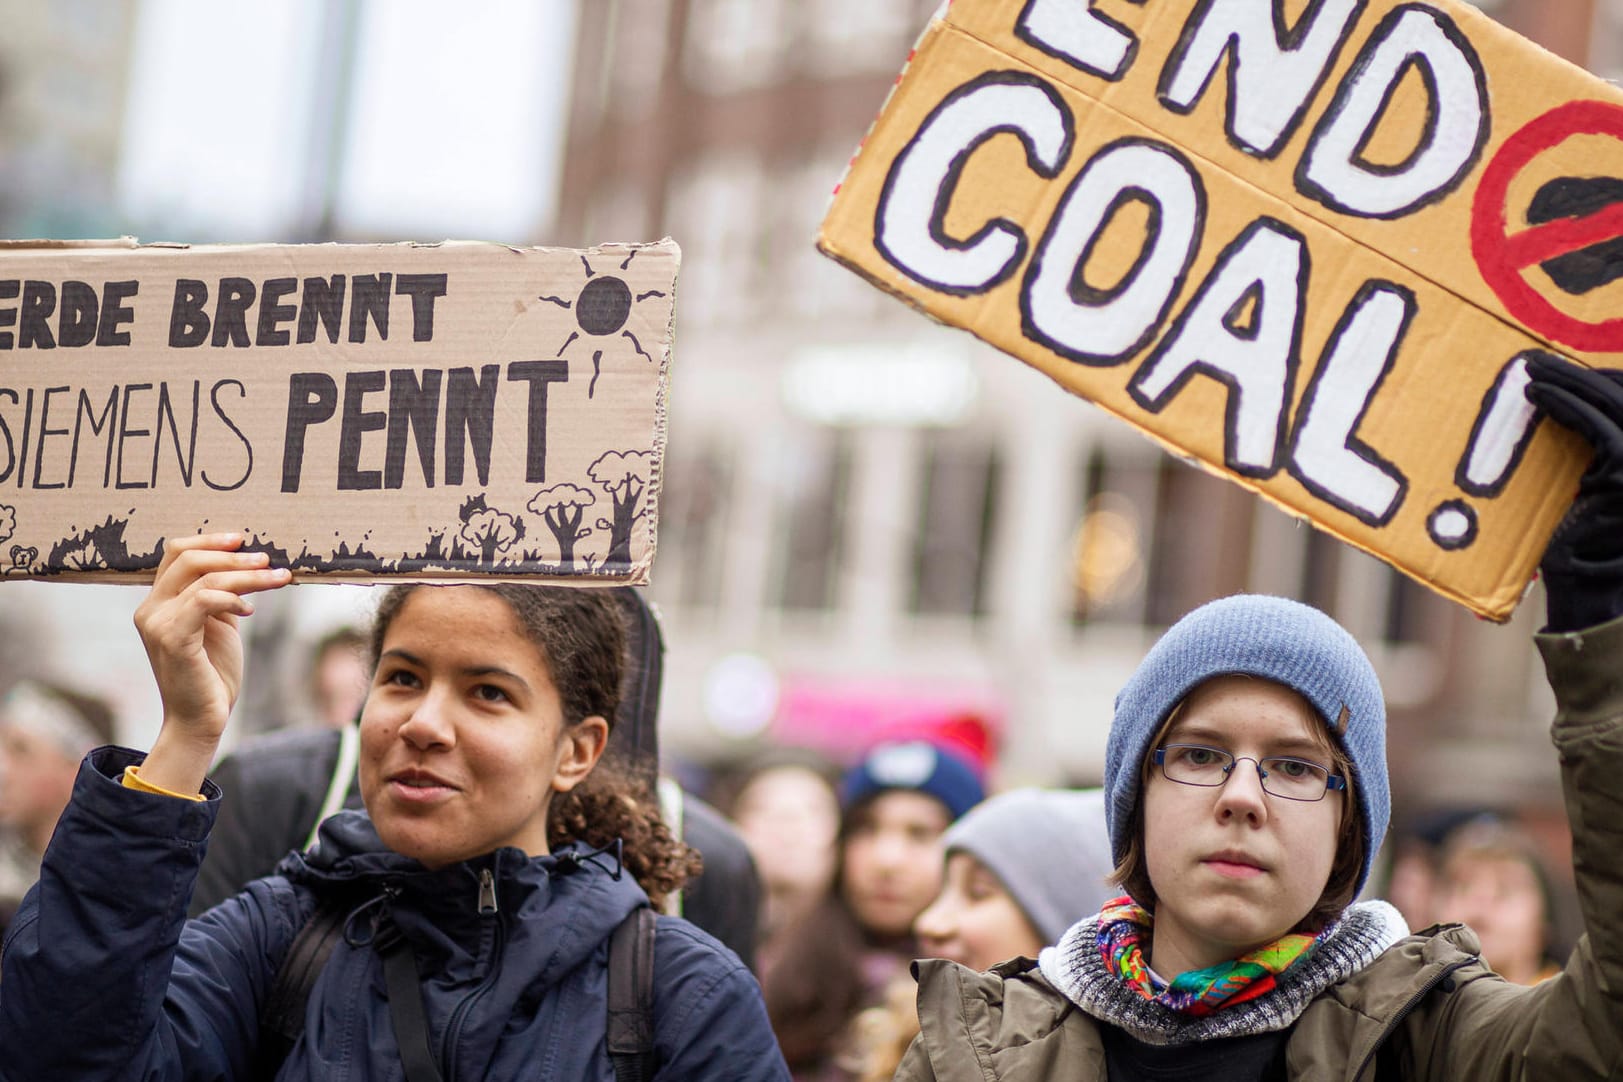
(231,312)
(413,407)
(539,374)
(188,323)
(1243,328)
(8,315)
(5,429)
(115,313)
(77,324)
(33,325)
(184,459)
(1273,72)
(312,397)
(325,300)
(422,289)
(358,421)
(1326,454)
(470,413)
(45,430)
(1334,171)
(910,221)
(1092,326)
(272,313)
(106,422)
(214,400)
(1072,31)
(125,432)
(370,296)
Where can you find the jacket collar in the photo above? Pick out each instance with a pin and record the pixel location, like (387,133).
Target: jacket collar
(563,902)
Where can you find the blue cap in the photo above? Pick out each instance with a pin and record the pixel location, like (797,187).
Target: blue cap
(1275,638)
(916,765)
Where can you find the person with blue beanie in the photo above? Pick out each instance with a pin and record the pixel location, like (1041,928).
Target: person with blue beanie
(1247,796)
(895,802)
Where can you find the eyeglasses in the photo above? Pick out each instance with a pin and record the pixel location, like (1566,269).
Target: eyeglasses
(1281,776)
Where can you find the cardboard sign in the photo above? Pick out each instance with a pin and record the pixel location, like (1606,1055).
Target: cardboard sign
(1310,244)
(361,412)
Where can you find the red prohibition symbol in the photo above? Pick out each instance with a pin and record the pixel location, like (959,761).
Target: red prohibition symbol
(1503,257)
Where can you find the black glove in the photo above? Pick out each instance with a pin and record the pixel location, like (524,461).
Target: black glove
(1583,565)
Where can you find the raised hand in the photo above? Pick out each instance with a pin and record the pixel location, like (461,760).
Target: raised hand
(188,624)
(1583,565)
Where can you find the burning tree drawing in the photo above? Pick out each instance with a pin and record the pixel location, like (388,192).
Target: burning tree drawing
(489,530)
(562,507)
(624,476)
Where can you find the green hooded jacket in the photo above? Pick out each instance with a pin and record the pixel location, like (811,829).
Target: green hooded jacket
(1426,1010)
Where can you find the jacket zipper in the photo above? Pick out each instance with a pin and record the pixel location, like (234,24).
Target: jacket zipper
(1403,1012)
(487,892)
(453,1028)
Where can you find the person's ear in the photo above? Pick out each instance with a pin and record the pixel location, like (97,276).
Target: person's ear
(580,747)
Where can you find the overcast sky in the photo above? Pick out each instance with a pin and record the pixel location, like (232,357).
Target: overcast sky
(454,130)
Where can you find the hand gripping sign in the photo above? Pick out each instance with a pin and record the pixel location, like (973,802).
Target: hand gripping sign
(362,412)
(1310,245)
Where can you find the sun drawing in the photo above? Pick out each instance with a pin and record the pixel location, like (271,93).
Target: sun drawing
(601,310)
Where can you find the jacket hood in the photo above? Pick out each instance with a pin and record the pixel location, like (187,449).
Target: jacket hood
(566,902)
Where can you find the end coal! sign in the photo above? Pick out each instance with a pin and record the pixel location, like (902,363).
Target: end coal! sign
(1311,244)
(445,411)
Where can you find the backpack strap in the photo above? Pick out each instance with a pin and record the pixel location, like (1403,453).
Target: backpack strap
(405,986)
(630,1029)
(631,997)
(343,773)
(281,1020)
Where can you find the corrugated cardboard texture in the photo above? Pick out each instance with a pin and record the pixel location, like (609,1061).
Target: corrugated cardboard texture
(1312,256)
(363,412)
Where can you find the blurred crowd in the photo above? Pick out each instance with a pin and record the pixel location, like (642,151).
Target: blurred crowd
(910,850)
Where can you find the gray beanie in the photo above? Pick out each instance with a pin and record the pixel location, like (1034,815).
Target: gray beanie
(1048,847)
(1281,640)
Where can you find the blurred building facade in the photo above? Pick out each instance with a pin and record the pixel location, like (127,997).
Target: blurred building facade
(858,499)
(64,74)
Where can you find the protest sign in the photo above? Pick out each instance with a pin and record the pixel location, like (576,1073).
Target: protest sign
(1310,245)
(362,412)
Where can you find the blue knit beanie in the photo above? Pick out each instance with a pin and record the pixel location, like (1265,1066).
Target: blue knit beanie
(914,765)
(1280,640)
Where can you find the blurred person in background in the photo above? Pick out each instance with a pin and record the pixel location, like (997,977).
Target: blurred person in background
(339,675)
(1411,850)
(1021,868)
(1491,878)
(897,802)
(44,732)
(786,805)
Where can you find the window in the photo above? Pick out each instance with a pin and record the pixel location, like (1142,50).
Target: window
(1107,545)
(959,502)
(734,45)
(618,211)
(693,522)
(1201,544)
(816,286)
(813,468)
(716,210)
(637,62)
(1321,570)
(846,37)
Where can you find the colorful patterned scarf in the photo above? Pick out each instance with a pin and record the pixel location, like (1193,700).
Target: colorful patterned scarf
(1124,928)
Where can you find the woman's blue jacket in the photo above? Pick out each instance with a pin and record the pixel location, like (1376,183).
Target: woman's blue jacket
(104,978)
